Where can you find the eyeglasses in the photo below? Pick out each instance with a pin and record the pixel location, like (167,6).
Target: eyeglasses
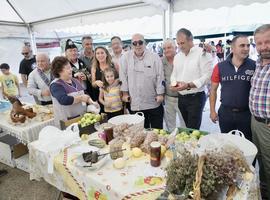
(139,42)
(25,53)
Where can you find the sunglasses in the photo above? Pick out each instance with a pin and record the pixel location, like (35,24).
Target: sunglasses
(139,42)
(26,53)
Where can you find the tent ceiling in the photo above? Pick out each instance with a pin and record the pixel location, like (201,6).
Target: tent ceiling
(188,5)
(50,15)
(7,14)
(34,11)
(97,17)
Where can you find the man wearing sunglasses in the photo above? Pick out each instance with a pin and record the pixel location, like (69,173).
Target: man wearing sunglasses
(142,76)
(191,73)
(27,64)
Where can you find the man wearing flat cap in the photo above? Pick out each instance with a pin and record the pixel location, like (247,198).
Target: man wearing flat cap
(79,68)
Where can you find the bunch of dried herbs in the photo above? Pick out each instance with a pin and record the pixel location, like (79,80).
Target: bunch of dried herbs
(181,173)
(221,169)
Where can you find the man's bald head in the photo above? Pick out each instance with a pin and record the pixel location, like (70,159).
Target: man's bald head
(42,55)
(43,61)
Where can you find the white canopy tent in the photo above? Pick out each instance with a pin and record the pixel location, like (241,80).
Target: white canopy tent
(49,20)
(20,17)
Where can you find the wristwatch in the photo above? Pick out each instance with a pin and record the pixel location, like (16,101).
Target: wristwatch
(188,86)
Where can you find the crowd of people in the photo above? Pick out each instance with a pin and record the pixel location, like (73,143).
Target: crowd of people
(170,88)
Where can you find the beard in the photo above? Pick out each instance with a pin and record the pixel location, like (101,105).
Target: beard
(265,54)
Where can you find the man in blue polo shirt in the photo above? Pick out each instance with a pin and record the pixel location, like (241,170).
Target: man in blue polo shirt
(234,75)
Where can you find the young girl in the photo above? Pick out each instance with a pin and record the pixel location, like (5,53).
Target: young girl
(110,94)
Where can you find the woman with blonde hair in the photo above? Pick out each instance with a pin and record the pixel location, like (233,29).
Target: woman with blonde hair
(102,60)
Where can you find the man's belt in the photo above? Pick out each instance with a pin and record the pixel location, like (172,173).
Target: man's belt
(192,94)
(172,96)
(262,120)
(235,109)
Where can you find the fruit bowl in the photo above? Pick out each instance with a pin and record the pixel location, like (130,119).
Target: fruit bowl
(87,124)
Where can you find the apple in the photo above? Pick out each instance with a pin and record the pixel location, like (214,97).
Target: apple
(193,137)
(183,133)
(186,137)
(162,132)
(156,130)
(196,133)
(98,117)
(178,136)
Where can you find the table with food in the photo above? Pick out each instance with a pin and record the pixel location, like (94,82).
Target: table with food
(24,121)
(122,160)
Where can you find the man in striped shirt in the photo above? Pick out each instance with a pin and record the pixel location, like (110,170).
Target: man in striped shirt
(259,104)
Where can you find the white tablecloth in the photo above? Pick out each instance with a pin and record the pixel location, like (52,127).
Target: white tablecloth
(138,180)
(27,132)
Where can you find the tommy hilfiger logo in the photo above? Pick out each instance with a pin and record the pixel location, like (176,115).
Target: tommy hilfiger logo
(236,77)
(249,72)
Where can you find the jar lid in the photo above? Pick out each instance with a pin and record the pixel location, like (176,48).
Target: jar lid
(155,144)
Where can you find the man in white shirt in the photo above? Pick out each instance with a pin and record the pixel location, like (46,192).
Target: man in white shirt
(191,73)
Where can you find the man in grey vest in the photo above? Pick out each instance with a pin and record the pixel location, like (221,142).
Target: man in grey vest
(171,98)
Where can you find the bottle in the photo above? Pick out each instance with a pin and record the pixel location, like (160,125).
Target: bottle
(108,130)
(155,154)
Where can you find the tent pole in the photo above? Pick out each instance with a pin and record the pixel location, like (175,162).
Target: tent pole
(33,39)
(170,19)
(164,25)
(225,36)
